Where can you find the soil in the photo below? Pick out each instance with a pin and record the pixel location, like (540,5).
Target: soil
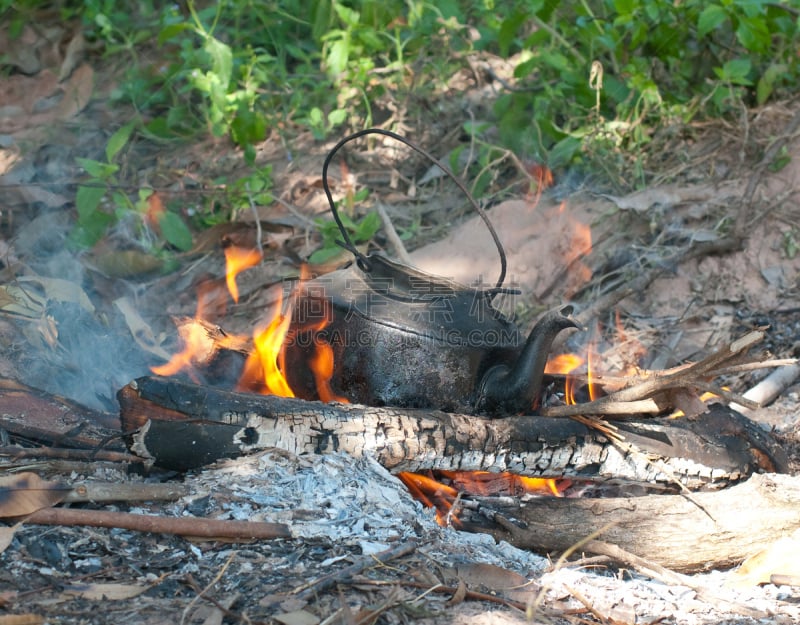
(83,324)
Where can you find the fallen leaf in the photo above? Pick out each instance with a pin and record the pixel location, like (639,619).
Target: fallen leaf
(458,595)
(73,55)
(21,619)
(299,617)
(140,330)
(77,93)
(105,592)
(60,290)
(7,535)
(24,493)
(125,263)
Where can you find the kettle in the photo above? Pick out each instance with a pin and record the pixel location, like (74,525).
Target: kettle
(401,337)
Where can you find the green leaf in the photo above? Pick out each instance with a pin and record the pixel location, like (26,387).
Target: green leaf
(348,16)
(338,55)
(711,17)
(367,227)
(324,254)
(336,117)
(221,59)
(735,71)
(96,169)
(766,83)
(118,140)
(90,232)
(508,31)
(175,231)
(754,35)
(248,128)
(172,30)
(563,152)
(87,199)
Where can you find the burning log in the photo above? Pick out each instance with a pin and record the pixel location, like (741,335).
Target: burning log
(180,425)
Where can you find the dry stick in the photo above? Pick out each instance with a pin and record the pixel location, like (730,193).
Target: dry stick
(69,454)
(769,388)
(320,584)
(446,590)
(183,526)
(113,491)
(391,234)
(677,377)
(662,574)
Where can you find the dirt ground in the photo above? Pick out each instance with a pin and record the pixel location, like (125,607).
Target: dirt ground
(707,252)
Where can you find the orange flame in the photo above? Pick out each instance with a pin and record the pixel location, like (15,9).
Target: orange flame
(263,369)
(237,259)
(322,368)
(431,494)
(565,363)
(440,489)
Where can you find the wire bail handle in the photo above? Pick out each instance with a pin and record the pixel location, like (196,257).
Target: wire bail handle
(347,243)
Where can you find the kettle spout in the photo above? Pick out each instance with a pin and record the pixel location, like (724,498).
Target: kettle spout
(512,390)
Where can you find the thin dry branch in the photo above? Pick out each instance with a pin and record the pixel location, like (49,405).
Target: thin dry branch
(183,526)
(649,392)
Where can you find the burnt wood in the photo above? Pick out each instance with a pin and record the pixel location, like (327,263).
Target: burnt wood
(180,425)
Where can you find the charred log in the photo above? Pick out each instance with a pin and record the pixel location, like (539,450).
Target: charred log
(181,426)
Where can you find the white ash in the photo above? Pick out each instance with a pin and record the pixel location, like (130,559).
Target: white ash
(357,504)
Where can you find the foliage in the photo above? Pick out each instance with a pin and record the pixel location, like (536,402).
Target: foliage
(360,231)
(595,80)
(95,217)
(659,63)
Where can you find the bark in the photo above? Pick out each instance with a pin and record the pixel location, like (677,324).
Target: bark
(705,531)
(179,425)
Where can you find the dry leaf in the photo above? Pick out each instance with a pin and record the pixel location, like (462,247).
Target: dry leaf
(7,535)
(140,330)
(299,617)
(21,619)
(59,290)
(458,595)
(73,55)
(105,592)
(77,93)
(24,493)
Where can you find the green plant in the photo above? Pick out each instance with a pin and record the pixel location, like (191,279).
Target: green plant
(360,231)
(662,62)
(95,216)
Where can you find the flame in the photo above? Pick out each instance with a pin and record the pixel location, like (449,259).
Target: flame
(193,336)
(237,259)
(565,363)
(440,489)
(263,369)
(577,248)
(432,494)
(322,368)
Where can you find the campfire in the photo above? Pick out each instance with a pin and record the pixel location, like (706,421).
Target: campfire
(384,349)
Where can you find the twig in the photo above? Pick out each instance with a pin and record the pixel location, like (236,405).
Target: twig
(662,574)
(99,492)
(445,590)
(201,593)
(391,234)
(183,526)
(656,383)
(69,454)
(321,583)
(769,388)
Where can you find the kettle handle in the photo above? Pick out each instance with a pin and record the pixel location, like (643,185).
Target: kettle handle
(362,260)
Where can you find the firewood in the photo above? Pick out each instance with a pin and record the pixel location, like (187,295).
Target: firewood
(713,530)
(180,425)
